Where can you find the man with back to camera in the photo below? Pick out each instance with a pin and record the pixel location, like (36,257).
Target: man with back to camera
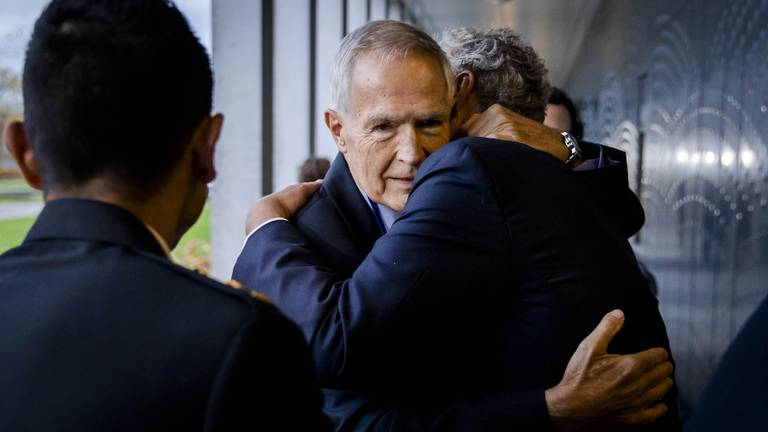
(357,331)
(561,114)
(100,329)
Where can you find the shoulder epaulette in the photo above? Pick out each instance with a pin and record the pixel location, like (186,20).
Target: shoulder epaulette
(198,275)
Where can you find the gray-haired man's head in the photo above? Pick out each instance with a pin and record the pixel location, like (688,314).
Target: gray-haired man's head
(389,41)
(392,90)
(506,70)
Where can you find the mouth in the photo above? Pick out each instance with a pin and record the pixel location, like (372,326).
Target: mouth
(403,181)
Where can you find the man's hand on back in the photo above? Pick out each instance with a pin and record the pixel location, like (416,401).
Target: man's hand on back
(500,123)
(607,389)
(283,204)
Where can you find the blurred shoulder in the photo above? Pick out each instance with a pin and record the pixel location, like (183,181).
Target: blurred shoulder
(200,285)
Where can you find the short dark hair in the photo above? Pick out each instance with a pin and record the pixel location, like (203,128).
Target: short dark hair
(113,89)
(559,97)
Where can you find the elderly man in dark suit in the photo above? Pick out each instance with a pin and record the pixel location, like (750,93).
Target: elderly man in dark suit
(463,315)
(100,329)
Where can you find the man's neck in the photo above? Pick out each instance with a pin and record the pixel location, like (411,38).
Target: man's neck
(464,111)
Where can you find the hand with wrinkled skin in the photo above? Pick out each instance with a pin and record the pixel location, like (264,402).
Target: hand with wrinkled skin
(282,204)
(607,389)
(498,122)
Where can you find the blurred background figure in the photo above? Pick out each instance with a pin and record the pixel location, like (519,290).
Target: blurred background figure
(313,169)
(563,115)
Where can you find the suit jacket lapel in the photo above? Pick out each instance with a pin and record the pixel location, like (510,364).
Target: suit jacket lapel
(351,205)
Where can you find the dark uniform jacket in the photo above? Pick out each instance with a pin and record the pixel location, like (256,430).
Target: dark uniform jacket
(470,307)
(100,331)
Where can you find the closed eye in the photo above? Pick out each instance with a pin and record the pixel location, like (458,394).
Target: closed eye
(383,126)
(430,123)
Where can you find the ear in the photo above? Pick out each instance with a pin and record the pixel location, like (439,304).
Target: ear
(207,147)
(334,122)
(465,83)
(18,146)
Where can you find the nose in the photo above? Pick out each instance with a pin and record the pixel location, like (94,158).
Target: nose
(410,149)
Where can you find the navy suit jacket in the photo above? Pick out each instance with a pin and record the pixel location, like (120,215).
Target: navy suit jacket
(736,398)
(461,316)
(101,332)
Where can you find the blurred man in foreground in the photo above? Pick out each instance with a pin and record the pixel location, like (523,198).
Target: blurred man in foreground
(101,331)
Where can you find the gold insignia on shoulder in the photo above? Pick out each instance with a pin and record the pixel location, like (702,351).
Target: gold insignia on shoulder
(235,284)
(232,283)
(260,297)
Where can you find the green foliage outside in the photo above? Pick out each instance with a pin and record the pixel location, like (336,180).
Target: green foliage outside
(13,184)
(13,231)
(10,109)
(193,251)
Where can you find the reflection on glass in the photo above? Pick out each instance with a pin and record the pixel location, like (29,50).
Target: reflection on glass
(727,157)
(747,157)
(695,158)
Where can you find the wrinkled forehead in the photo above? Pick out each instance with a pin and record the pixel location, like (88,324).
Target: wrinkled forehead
(415,78)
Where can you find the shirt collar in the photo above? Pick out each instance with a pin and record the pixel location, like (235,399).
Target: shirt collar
(388,215)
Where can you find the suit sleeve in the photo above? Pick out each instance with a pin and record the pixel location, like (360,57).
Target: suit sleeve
(267,381)
(447,239)
(608,186)
(452,224)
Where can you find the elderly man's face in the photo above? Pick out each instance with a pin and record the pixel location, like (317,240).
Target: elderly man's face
(398,112)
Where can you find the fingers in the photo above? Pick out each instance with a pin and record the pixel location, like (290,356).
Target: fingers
(282,204)
(309,188)
(648,360)
(637,390)
(654,394)
(597,341)
(644,415)
(657,374)
(645,389)
(295,196)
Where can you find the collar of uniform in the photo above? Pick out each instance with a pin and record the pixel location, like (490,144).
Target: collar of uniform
(83,219)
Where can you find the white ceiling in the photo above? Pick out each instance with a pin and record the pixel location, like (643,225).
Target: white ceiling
(555,28)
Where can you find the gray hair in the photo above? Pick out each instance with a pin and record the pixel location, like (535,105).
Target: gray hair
(390,40)
(507,71)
